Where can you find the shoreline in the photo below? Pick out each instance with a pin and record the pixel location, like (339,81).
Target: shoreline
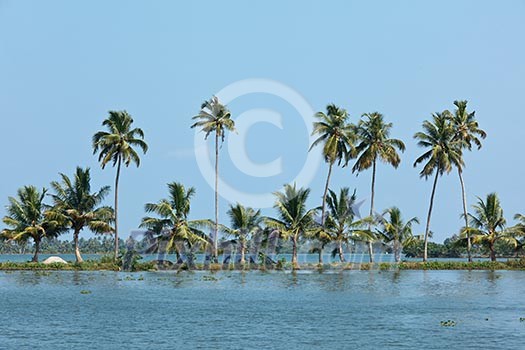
(90,265)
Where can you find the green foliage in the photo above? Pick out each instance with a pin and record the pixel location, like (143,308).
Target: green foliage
(28,218)
(395,231)
(448,323)
(293,220)
(374,143)
(172,224)
(119,142)
(336,134)
(488,224)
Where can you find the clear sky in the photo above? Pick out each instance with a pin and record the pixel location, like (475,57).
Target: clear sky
(64,64)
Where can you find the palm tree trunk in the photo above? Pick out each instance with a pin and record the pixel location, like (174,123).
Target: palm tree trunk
(427,229)
(295,264)
(492,251)
(117,177)
(77,250)
(37,250)
(243,248)
(370,249)
(340,251)
(397,251)
(323,211)
(216,233)
(464,198)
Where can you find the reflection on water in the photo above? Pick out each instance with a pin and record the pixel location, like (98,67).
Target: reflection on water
(237,309)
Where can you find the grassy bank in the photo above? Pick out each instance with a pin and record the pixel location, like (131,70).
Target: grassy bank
(106,265)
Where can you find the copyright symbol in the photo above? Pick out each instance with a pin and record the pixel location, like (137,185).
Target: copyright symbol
(237,149)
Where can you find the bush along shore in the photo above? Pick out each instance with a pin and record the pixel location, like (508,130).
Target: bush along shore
(110,265)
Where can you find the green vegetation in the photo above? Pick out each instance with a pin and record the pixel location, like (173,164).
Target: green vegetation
(76,207)
(173,228)
(488,224)
(394,230)
(375,145)
(34,226)
(468,132)
(245,222)
(294,219)
(215,117)
(117,146)
(341,224)
(27,217)
(443,152)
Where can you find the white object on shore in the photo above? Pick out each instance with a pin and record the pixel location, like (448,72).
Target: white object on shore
(54,259)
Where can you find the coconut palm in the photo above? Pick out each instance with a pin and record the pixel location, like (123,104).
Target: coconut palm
(244,223)
(487,224)
(215,117)
(341,224)
(442,154)
(518,232)
(337,137)
(467,130)
(75,205)
(396,231)
(27,218)
(172,222)
(374,144)
(117,145)
(293,219)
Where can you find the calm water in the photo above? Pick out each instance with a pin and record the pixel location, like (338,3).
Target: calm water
(277,310)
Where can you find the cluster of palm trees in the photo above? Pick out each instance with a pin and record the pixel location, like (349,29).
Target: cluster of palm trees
(362,146)
(74,207)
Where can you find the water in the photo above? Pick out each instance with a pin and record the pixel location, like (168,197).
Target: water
(276,310)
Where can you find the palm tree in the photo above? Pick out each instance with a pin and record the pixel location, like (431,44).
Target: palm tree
(75,205)
(117,146)
(518,231)
(27,218)
(396,231)
(487,224)
(244,223)
(337,137)
(444,152)
(293,219)
(215,117)
(341,226)
(467,130)
(374,143)
(172,224)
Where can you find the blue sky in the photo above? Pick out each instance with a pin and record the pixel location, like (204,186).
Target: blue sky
(64,64)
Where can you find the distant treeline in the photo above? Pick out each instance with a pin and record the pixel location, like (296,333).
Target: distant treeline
(450,248)
(94,245)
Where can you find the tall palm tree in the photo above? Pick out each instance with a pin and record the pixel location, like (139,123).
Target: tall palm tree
(467,130)
(27,218)
(341,226)
(172,222)
(117,145)
(75,205)
(215,117)
(487,224)
(293,219)
(337,137)
(244,223)
(375,144)
(396,231)
(443,152)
